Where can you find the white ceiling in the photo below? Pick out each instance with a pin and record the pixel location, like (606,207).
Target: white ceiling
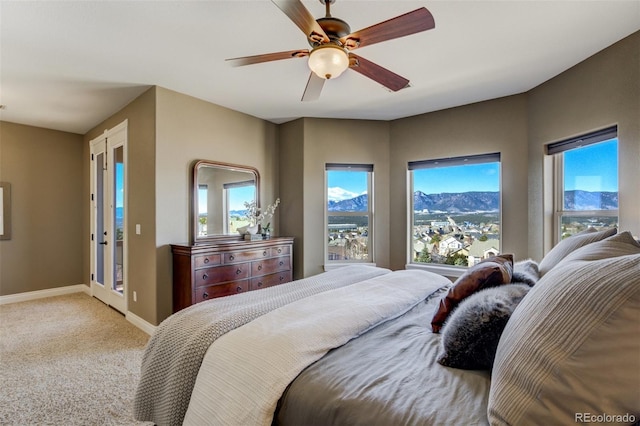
(67,65)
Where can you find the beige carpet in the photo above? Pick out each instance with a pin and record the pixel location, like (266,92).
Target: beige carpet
(67,360)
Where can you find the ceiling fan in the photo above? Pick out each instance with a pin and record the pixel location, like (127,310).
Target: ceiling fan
(332,43)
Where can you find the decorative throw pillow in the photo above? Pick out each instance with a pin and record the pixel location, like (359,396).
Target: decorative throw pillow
(496,270)
(571,346)
(566,246)
(526,272)
(621,244)
(471,333)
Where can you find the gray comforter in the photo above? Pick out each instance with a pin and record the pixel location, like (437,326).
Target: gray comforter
(175,352)
(387,376)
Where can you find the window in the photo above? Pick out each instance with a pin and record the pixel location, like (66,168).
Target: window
(349,213)
(236,196)
(585,182)
(455,210)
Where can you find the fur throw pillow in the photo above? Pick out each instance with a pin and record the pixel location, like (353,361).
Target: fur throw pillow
(525,272)
(471,334)
(490,272)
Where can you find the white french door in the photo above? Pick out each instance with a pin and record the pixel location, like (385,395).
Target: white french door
(108,224)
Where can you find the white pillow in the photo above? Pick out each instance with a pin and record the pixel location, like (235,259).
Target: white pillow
(566,246)
(621,244)
(571,347)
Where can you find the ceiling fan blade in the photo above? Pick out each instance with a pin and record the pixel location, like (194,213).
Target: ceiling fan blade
(256,59)
(377,73)
(313,89)
(400,26)
(300,16)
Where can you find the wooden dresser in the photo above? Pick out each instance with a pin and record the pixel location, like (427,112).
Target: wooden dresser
(206,271)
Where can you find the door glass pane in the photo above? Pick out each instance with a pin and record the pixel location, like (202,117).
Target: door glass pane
(118,221)
(99,237)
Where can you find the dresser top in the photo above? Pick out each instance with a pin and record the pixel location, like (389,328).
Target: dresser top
(230,245)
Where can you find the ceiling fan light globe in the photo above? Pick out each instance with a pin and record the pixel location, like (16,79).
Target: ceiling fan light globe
(328,61)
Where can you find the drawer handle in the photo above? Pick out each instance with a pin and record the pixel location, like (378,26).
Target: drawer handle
(259,267)
(239,289)
(238,271)
(206,260)
(205,276)
(264,253)
(231,257)
(279,250)
(281,263)
(260,284)
(205,295)
(281,278)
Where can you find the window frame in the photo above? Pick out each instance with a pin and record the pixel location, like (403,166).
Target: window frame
(556,150)
(350,167)
(445,269)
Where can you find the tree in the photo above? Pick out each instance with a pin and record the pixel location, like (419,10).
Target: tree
(435,239)
(424,256)
(457,259)
(483,237)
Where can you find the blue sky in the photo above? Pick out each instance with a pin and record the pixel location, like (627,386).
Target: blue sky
(589,168)
(346,185)
(473,177)
(237,197)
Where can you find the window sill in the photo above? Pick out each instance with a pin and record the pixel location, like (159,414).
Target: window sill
(450,272)
(331,266)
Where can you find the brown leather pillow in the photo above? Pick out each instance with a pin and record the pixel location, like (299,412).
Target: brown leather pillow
(490,272)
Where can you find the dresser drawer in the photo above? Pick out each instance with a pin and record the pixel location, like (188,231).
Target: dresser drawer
(270,280)
(219,290)
(226,267)
(269,266)
(222,274)
(243,256)
(207,260)
(280,250)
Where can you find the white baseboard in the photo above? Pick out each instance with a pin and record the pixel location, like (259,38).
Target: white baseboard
(140,323)
(78,288)
(41,294)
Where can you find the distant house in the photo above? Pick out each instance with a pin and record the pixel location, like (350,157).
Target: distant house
(449,245)
(481,250)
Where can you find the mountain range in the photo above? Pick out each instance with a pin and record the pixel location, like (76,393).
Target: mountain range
(585,200)
(468,202)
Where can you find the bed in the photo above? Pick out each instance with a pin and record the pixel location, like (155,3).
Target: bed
(357,346)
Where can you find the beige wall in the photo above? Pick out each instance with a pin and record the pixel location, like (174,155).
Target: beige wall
(140,201)
(44,168)
(291,188)
(190,129)
(168,131)
(499,125)
(597,93)
(307,145)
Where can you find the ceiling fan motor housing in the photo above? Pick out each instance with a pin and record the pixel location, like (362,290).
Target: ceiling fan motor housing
(335,28)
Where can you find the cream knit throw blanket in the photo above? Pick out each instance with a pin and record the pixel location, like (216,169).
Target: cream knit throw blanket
(245,372)
(173,356)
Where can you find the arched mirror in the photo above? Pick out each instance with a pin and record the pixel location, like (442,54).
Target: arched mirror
(220,191)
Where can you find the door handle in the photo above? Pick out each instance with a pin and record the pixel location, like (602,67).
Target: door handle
(104,243)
